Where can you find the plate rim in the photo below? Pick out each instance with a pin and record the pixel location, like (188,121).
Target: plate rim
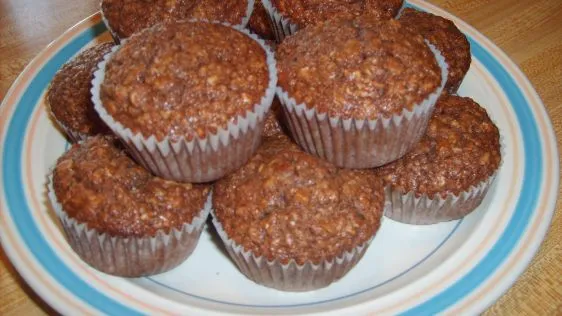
(549,130)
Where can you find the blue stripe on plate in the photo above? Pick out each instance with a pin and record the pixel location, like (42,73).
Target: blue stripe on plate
(22,215)
(15,194)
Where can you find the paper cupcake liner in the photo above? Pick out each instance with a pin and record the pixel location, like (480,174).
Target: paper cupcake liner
(132,256)
(290,277)
(282,26)
(243,23)
(354,143)
(423,210)
(200,159)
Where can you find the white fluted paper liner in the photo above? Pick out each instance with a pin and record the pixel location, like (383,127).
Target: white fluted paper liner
(201,159)
(282,26)
(243,23)
(422,210)
(133,256)
(290,277)
(355,143)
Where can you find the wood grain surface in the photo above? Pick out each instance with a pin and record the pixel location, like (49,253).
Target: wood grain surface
(530,32)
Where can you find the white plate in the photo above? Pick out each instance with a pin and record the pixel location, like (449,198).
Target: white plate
(460,266)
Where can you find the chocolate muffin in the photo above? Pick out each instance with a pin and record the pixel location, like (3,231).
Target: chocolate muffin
(69,99)
(126,17)
(288,16)
(358,92)
(294,222)
(449,171)
(259,22)
(121,219)
(188,98)
(452,43)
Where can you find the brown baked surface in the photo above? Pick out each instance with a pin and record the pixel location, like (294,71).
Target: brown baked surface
(184,79)
(360,68)
(460,149)
(311,12)
(442,33)
(272,124)
(259,22)
(127,17)
(69,97)
(98,184)
(285,204)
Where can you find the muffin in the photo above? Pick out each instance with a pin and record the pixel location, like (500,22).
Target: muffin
(259,22)
(68,97)
(358,92)
(293,222)
(288,16)
(448,173)
(126,17)
(118,217)
(188,98)
(452,43)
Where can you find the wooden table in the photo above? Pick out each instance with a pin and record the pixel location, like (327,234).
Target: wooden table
(530,32)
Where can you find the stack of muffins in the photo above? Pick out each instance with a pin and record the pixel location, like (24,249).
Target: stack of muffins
(297,153)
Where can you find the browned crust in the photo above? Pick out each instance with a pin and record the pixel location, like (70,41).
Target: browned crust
(305,13)
(360,68)
(184,80)
(126,17)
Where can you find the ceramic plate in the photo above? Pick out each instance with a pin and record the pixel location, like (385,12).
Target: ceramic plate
(460,266)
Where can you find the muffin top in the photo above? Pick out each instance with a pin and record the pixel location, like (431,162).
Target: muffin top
(98,184)
(184,79)
(360,68)
(259,22)
(69,97)
(461,148)
(311,12)
(126,17)
(442,33)
(287,205)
